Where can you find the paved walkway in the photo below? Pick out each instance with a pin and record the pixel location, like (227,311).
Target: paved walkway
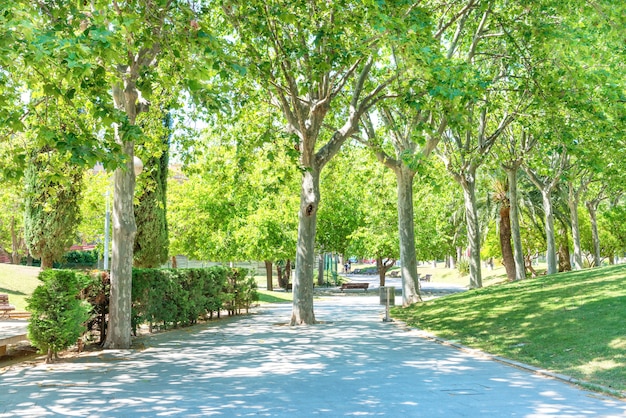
(352,364)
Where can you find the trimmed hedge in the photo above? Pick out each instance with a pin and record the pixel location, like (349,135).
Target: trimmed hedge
(178,297)
(160,297)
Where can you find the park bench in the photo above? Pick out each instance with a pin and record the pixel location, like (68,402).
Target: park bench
(426,277)
(288,287)
(352,285)
(5,307)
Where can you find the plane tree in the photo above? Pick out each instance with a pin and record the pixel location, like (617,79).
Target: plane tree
(315,60)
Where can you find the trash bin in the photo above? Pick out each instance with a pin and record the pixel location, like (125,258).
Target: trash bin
(388,292)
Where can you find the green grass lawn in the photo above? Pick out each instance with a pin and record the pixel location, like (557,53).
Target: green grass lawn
(572,323)
(266,296)
(18,282)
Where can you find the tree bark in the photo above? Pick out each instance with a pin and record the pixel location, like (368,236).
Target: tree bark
(578,254)
(572,202)
(546,195)
(320,269)
(505,241)
(268,274)
(406,228)
(383,267)
(124,231)
(473,228)
(279,273)
(563,253)
(518,254)
(592,208)
(46,263)
(302,312)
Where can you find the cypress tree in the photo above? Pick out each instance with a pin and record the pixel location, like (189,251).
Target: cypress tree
(52,212)
(152,240)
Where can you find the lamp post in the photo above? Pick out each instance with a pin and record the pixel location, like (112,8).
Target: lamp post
(107,223)
(137,168)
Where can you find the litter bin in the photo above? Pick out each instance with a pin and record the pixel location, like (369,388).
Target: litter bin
(388,292)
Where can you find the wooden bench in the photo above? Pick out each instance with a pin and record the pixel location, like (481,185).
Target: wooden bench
(426,278)
(352,285)
(289,287)
(5,307)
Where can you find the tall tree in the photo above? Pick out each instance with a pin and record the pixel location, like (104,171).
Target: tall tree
(311,57)
(546,182)
(53,188)
(492,92)
(512,148)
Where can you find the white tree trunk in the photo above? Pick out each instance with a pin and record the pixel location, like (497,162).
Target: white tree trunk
(406,228)
(473,230)
(578,254)
(518,254)
(546,195)
(302,312)
(594,233)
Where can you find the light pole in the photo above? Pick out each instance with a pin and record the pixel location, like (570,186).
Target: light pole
(137,168)
(107,222)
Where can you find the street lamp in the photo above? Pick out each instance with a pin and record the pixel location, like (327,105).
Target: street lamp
(137,168)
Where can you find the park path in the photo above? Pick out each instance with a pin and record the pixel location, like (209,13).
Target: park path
(351,364)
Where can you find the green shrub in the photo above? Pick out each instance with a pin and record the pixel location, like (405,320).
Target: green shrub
(463,266)
(173,297)
(57,315)
(86,258)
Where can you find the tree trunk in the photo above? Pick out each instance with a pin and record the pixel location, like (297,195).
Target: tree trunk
(380,266)
(528,264)
(124,226)
(302,312)
(46,263)
(505,241)
(279,274)
(383,267)
(563,253)
(550,241)
(320,269)
(518,254)
(473,230)
(124,230)
(578,254)
(268,274)
(406,228)
(592,209)
(287,271)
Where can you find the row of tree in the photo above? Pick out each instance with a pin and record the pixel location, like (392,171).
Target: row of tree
(540,88)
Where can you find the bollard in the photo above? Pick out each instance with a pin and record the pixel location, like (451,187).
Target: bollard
(387,298)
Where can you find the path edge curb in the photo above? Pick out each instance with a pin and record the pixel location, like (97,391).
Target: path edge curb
(620,395)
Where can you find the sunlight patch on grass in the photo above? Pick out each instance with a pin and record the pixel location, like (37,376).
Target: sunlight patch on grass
(618,343)
(599,365)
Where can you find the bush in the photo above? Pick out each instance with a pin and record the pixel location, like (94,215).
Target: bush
(173,297)
(463,266)
(84,258)
(57,315)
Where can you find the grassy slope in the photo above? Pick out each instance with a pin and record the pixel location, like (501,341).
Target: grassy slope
(18,282)
(572,323)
